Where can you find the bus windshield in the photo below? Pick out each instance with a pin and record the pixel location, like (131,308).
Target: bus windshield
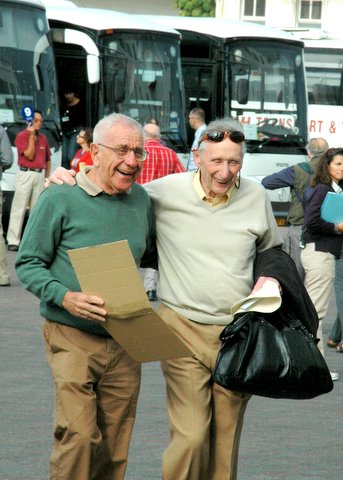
(142,79)
(324,68)
(27,72)
(263,81)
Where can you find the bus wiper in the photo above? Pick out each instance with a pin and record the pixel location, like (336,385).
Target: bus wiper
(286,139)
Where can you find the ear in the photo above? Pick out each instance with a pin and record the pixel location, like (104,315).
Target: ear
(95,153)
(196,157)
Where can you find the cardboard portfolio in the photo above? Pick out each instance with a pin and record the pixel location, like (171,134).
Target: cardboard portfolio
(332,208)
(110,272)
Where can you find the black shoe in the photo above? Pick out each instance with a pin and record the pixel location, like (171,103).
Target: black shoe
(5,284)
(12,248)
(152,295)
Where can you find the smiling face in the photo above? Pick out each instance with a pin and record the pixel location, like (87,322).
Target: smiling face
(336,168)
(219,165)
(114,173)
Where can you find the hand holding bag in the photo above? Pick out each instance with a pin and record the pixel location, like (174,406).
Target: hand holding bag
(272,355)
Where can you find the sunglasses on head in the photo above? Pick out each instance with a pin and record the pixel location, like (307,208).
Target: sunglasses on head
(216,137)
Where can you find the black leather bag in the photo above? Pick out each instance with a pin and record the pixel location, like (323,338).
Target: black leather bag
(272,355)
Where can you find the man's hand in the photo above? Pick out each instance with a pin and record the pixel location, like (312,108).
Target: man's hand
(84,306)
(60,176)
(262,280)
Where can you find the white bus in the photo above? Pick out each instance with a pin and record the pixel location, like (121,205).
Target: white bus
(255,74)
(27,78)
(140,69)
(324,76)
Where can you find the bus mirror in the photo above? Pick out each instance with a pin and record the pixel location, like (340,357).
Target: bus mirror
(242,91)
(40,47)
(93,69)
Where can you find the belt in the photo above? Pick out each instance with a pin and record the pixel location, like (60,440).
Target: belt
(27,169)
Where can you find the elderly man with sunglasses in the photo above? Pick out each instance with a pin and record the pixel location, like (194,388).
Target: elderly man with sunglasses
(210,225)
(96,381)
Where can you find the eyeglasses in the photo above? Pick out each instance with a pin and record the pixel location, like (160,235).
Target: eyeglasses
(123,152)
(81,136)
(216,137)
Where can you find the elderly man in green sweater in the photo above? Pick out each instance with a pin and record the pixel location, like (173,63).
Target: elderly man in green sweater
(210,226)
(96,381)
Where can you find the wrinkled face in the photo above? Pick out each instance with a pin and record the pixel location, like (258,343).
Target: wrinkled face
(114,172)
(219,164)
(336,168)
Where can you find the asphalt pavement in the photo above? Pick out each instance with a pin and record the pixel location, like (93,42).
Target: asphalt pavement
(281,439)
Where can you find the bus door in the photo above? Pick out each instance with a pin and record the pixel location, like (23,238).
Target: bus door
(78,67)
(200,82)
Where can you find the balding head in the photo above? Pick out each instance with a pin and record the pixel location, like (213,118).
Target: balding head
(316,147)
(152,131)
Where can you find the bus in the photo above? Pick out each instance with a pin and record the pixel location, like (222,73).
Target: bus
(27,79)
(139,71)
(324,76)
(255,74)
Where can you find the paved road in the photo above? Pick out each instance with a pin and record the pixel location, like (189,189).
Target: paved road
(281,440)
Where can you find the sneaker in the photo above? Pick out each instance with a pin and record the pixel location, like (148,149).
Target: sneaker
(12,248)
(334,376)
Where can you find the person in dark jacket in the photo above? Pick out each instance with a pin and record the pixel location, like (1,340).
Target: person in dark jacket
(322,239)
(297,177)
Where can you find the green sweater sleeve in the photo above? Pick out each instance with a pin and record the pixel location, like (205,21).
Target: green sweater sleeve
(38,250)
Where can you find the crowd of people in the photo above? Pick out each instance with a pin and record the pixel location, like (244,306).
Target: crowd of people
(193,237)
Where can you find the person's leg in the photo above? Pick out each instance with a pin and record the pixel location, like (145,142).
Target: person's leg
(335,334)
(319,276)
(338,283)
(37,188)
(72,147)
(65,142)
(21,200)
(4,275)
(89,436)
(224,455)
(292,247)
(149,278)
(117,394)
(205,420)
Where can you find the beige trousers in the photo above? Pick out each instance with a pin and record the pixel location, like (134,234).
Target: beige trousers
(96,391)
(28,187)
(205,419)
(319,276)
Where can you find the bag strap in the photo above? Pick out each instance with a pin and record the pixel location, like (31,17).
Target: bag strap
(235,326)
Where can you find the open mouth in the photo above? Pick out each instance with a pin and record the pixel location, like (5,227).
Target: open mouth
(126,174)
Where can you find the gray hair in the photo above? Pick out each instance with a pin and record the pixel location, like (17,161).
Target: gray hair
(226,124)
(105,124)
(317,146)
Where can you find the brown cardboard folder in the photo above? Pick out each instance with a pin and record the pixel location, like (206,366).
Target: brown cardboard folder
(110,272)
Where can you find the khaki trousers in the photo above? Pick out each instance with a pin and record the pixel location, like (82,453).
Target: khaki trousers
(28,186)
(205,419)
(96,391)
(319,277)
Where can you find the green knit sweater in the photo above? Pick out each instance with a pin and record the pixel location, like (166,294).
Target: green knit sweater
(68,217)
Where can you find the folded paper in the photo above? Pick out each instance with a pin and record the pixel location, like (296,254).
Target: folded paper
(266,300)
